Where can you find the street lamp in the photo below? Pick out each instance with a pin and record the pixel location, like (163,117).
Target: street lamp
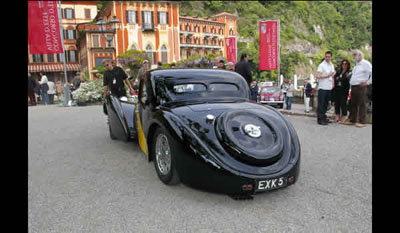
(115,25)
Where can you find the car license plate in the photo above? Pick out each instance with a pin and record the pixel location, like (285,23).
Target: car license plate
(272,99)
(270,184)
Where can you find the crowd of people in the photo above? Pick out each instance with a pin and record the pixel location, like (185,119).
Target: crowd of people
(334,85)
(43,91)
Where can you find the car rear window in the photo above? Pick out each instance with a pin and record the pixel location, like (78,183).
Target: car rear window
(270,90)
(222,87)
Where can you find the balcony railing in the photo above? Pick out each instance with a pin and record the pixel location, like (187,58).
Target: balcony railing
(192,45)
(148,27)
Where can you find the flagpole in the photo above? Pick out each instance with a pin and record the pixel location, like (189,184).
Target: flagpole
(66,87)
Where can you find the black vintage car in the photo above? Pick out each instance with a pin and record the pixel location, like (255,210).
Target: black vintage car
(199,128)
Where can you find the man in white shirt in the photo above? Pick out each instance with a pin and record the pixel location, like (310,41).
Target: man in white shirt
(51,92)
(325,73)
(360,78)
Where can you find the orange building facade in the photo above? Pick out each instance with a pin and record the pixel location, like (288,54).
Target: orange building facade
(146,26)
(205,36)
(72,13)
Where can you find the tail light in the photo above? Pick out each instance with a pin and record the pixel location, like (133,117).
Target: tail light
(247,187)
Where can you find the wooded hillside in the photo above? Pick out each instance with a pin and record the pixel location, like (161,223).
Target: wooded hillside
(308,29)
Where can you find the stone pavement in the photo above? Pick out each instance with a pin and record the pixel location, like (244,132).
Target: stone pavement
(299,110)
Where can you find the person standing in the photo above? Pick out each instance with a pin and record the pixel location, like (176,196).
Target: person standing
(59,90)
(229,66)
(145,67)
(76,82)
(254,91)
(52,91)
(361,76)
(44,87)
(221,65)
(31,90)
(325,73)
(243,68)
(114,81)
(341,90)
(289,95)
(283,88)
(307,95)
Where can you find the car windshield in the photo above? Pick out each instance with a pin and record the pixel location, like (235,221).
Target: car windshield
(270,90)
(203,92)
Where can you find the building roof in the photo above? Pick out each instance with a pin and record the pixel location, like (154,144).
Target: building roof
(224,14)
(199,19)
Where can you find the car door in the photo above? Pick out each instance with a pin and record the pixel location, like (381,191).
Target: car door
(116,118)
(141,108)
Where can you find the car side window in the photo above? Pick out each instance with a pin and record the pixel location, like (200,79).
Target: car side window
(143,90)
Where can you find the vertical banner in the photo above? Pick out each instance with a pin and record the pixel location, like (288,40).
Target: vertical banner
(230,43)
(268,45)
(43,28)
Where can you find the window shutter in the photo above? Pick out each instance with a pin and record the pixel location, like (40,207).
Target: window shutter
(73,13)
(65,13)
(158,17)
(126,17)
(143,19)
(152,19)
(167,17)
(74,32)
(136,15)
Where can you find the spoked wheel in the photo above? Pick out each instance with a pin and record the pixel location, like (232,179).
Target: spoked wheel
(163,154)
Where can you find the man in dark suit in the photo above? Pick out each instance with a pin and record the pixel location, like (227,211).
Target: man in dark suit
(244,69)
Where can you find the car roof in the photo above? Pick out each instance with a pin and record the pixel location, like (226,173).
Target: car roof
(199,75)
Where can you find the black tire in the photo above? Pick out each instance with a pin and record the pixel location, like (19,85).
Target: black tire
(168,176)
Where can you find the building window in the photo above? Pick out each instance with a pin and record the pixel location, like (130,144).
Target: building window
(133,47)
(221,31)
(71,56)
(164,54)
(50,57)
(69,34)
(151,54)
(60,57)
(69,14)
(95,40)
(162,18)
(231,31)
(187,40)
(187,27)
(147,19)
(87,13)
(204,29)
(131,17)
(37,57)
(99,60)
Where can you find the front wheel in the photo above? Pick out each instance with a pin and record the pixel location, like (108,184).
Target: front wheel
(164,149)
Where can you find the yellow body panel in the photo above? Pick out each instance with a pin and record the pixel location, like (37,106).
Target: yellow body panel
(141,137)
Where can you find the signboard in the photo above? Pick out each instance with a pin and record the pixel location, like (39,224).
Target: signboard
(44,28)
(268,45)
(230,43)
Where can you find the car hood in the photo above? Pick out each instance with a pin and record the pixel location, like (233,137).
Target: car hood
(249,138)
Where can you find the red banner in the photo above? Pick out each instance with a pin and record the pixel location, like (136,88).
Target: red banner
(43,28)
(268,45)
(231,49)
